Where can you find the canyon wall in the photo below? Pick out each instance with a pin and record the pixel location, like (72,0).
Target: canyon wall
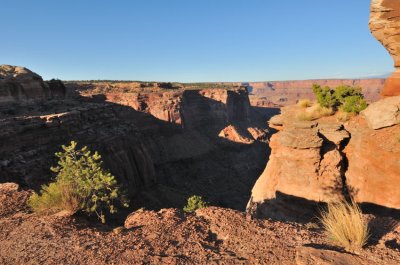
(284,93)
(384,25)
(163,145)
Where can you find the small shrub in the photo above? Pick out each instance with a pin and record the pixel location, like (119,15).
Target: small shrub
(81,184)
(325,96)
(354,104)
(304,103)
(194,203)
(350,99)
(344,225)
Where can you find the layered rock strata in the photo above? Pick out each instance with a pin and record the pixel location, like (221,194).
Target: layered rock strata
(306,165)
(285,93)
(325,160)
(19,84)
(165,144)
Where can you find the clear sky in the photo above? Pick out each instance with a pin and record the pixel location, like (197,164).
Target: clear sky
(191,40)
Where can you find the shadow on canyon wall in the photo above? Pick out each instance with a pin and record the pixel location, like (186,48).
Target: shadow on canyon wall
(161,164)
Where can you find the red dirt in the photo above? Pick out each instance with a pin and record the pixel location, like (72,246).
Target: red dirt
(210,236)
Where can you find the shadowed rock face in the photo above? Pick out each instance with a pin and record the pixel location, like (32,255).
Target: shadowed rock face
(164,145)
(385,26)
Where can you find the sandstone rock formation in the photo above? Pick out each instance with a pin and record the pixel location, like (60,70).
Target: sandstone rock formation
(305,166)
(325,160)
(373,171)
(383,113)
(384,25)
(21,84)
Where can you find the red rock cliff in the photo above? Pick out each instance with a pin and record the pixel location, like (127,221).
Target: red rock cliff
(384,24)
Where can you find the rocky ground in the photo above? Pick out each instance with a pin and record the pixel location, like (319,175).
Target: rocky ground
(210,236)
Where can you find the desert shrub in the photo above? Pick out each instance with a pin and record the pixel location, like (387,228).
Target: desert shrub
(354,104)
(344,225)
(304,103)
(194,203)
(350,99)
(81,184)
(325,96)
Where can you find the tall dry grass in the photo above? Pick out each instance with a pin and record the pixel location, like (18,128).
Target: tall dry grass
(304,103)
(314,112)
(344,225)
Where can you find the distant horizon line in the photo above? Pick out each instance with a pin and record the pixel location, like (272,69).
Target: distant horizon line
(221,82)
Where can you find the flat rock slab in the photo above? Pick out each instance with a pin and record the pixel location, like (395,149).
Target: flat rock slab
(308,256)
(383,113)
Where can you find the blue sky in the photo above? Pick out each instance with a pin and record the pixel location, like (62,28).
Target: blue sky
(191,40)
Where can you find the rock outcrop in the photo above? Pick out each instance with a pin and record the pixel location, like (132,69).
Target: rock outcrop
(373,171)
(325,160)
(384,25)
(384,113)
(306,165)
(18,84)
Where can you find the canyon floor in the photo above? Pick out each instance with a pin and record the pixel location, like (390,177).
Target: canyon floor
(208,236)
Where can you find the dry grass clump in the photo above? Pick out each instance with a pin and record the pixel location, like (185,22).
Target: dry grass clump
(344,116)
(55,197)
(344,225)
(314,112)
(304,103)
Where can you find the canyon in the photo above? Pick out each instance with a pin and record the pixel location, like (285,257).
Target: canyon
(162,145)
(285,93)
(165,142)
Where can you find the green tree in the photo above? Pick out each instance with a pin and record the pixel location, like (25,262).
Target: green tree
(194,203)
(81,184)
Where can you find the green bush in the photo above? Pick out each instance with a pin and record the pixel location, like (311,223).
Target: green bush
(81,184)
(349,99)
(194,203)
(325,96)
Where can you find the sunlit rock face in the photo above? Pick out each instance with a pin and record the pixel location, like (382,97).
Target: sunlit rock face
(384,24)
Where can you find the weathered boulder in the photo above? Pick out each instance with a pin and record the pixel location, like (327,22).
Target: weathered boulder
(383,113)
(384,24)
(373,170)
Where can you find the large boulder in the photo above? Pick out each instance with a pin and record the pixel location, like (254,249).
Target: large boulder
(383,113)
(373,171)
(384,24)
